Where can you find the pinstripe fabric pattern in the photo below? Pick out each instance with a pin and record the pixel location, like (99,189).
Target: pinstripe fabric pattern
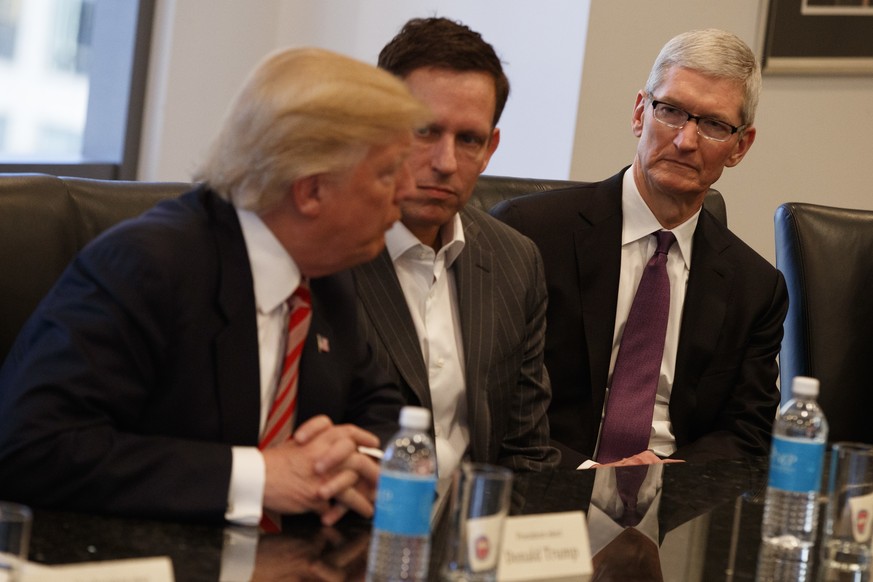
(502,305)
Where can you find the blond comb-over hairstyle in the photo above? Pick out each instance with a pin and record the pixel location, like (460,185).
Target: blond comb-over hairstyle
(304,112)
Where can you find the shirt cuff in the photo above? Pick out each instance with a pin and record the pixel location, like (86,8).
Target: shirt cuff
(245,496)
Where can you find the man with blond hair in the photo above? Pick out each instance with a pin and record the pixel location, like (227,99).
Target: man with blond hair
(146,381)
(454,308)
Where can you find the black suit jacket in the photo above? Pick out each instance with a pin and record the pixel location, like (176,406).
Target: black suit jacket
(724,395)
(137,373)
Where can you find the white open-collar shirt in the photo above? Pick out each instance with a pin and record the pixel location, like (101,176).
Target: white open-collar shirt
(428,284)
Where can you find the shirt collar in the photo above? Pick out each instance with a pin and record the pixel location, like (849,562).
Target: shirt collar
(274,273)
(399,240)
(638,220)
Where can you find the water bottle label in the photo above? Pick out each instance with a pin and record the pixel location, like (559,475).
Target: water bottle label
(795,464)
(403,503)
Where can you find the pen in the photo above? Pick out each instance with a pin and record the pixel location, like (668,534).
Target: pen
(371,452)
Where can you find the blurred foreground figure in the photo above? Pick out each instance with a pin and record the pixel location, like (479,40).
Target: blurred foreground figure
(163,375)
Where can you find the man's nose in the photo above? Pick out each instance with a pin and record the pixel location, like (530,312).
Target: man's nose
(405,183)
(444,158)
(687,136)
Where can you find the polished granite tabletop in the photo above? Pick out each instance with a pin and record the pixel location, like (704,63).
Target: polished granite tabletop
(704,526)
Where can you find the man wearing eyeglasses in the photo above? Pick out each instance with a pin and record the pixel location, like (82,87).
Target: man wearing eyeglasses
(711,391)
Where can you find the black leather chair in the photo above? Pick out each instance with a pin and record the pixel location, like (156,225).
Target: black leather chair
(493,189)
(46,220)
(826,255)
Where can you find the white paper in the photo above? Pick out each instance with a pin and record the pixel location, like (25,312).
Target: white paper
(134,570)
(552,546)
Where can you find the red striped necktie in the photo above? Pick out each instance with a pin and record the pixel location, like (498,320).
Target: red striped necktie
(281,416)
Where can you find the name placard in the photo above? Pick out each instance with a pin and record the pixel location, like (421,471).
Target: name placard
(551,546)
(133,570)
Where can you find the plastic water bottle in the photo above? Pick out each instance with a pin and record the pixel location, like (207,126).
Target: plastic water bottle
(791,507)
(400,544)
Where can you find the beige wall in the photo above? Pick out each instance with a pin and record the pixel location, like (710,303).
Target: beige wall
(815,133)
(202,50)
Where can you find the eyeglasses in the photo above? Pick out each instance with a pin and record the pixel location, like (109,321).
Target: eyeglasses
(707,127)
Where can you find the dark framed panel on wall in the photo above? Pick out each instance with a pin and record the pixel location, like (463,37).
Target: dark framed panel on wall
(819,36)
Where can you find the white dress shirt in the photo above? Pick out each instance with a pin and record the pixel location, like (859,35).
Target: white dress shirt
(275,277)
(428,283)
(637,246)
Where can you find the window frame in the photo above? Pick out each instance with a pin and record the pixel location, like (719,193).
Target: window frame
(109,154)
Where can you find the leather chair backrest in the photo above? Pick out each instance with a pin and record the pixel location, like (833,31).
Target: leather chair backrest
(826,255)
(103,203)
(493,189)
(45,220)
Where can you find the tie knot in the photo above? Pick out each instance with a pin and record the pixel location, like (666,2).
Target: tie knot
(665,241)
(301,295)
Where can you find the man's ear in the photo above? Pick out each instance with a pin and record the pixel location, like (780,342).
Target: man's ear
(306,195)
(492,147)
(639,110)
(742,147)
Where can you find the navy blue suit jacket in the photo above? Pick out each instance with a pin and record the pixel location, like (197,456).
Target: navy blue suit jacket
(137,373)
(724,394)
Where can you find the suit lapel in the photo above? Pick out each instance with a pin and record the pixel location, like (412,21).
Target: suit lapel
(236,346)
(319,368)
(475,284)
(709,285)
(598,261)
(382,299)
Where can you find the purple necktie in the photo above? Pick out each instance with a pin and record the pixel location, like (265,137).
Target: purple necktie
(628,481)
(627,423)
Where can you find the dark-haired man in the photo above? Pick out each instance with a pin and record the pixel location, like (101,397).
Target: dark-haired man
(454,308)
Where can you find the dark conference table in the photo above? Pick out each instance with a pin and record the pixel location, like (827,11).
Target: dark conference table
(709,519)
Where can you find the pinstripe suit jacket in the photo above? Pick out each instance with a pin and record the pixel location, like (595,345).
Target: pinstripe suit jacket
(502,306)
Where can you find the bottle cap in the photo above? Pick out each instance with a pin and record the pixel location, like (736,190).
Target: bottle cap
(415,417)
(803,386)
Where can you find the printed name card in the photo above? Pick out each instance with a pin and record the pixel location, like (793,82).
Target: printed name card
(133,570)
(551,546)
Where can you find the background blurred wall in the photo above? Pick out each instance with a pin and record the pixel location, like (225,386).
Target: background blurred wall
(575,67)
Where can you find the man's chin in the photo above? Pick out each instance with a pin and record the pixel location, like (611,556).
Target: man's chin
(373,250)
(427,215)
(684,183)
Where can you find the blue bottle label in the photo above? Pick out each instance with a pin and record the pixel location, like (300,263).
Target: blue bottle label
(404,502)
(795,464)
